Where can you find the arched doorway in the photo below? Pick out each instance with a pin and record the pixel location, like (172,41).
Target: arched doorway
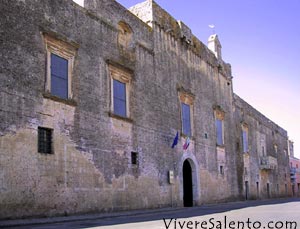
(187,184)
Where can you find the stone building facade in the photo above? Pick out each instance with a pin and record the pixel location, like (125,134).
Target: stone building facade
(294,170)
(92,99)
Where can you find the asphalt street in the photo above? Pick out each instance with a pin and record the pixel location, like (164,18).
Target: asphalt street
(279,214)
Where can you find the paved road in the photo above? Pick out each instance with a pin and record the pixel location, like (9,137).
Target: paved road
(281,214)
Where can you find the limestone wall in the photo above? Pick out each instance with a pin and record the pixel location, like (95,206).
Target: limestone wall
(91,168)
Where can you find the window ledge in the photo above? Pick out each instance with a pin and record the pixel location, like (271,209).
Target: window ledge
(221,146)
(112,115)
(70,102)
(185,136)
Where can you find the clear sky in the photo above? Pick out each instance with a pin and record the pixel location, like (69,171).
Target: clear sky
(261,41)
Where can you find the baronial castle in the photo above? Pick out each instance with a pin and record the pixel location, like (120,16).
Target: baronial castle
(92,99)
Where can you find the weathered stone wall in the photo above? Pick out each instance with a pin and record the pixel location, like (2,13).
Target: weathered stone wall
(188,64)
(264,136)
(91,167)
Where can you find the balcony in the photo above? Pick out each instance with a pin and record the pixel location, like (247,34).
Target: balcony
(268,163)
(293,171)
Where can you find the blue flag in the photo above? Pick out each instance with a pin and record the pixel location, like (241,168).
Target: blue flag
(175,140)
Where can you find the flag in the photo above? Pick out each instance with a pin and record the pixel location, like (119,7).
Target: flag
(175,141)
(187,143)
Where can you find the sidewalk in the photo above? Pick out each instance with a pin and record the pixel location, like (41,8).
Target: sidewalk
(83,217)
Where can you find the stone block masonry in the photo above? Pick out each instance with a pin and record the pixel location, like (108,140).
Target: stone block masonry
(126,75)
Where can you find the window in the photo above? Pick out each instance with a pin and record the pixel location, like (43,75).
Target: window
(120,87)
(186,119)
(237,146)
(134,158)
(60,59)
(219,123)
(286,189)
(245,138)
(219,127)
(119,95)
(45,140)
(186,99)
(245,171)
(221,170)
(59,76)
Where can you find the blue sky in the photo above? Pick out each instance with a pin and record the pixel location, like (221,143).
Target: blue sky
(261,41)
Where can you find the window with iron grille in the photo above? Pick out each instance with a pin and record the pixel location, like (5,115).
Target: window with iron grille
(45,140)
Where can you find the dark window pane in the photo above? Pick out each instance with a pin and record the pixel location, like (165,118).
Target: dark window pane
(134,158)
(119,90)
(219,127)
(245,141)
(119,94)
(59,76)
(59,66)
(186,119)
(120,107)
(59,87)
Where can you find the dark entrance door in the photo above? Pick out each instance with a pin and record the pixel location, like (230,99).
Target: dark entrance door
(187,185)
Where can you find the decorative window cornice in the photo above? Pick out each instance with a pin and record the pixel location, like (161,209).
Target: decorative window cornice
(219,112)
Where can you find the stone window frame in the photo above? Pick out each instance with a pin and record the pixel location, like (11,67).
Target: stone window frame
(188,99)
(219,115)
(122,75)
(64,50)
(245,130)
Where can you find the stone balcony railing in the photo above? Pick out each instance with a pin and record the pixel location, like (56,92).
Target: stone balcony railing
(268,162)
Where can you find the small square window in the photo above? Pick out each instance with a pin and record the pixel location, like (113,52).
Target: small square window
(134,158)
(45,140)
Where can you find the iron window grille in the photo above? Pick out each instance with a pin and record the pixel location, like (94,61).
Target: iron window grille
(45,137)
